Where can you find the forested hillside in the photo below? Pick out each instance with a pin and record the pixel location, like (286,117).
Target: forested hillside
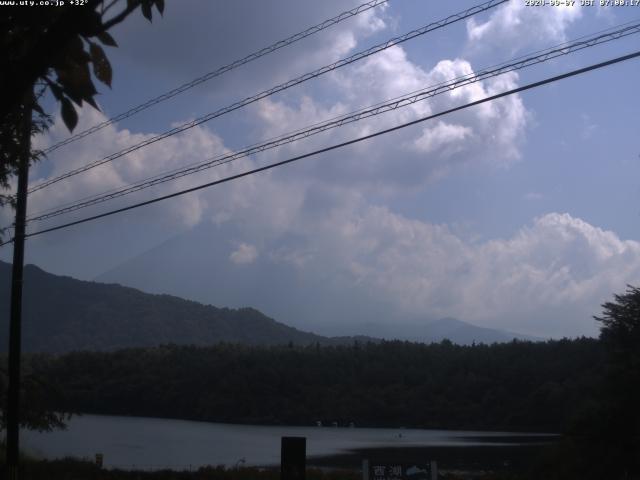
(513,386)
(62,314)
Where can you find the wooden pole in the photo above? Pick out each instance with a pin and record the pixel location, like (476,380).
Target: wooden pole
(15,323)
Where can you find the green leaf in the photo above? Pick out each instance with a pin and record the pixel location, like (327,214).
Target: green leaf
(69,115)
(107,39)
(90,22)
(56,90)
(91,102)
(75,51)
(146,10)
(101,65)
(77,84)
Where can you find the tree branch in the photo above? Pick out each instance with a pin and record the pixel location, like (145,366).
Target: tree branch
(108,7)
(120,17)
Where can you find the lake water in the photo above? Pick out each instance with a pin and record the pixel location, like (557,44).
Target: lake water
(152,443)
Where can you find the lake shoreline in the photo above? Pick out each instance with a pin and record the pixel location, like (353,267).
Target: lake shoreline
(515,458)
(129,442)
(525,432)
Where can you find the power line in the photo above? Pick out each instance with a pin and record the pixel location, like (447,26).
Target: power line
(341,145)
(390,105)
(279,88)
(221,70)
(595,36)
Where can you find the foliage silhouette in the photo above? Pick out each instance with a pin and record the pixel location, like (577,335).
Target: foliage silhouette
(55,49)
(513,386)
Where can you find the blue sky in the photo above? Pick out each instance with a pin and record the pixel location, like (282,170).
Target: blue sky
(521,214)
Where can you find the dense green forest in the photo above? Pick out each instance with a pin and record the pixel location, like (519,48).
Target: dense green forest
(513,386)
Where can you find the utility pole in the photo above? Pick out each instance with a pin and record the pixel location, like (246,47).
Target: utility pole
(15,327)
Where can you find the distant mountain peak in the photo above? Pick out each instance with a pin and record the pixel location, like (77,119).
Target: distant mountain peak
(436,330)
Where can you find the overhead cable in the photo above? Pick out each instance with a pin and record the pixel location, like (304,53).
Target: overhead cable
(279,88)
(389,105)
(523,88)
(219,71)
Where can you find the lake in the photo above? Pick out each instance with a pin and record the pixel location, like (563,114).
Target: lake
(152,443)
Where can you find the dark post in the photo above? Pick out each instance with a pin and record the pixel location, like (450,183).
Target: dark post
(293,458)
(13,397)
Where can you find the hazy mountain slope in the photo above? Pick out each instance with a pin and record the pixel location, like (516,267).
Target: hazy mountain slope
(197,265)
(429,331)
(63,314)
(466,333)
(317,301)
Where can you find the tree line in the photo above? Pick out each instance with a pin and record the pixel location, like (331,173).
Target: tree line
(512,386)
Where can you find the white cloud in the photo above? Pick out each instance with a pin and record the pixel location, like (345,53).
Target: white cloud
(492,132)
(444,138)
(244,254)
(515,26)
(547,279)
(345,39)
(194,146)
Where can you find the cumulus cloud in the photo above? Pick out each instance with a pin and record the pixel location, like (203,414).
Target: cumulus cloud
(192,147)
(491,132)
(558,261)
(547,279)
(244,254)
(444,138)
(345,39)
(514,26)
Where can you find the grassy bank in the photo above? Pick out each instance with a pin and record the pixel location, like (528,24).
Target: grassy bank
(509,462)
(73,469)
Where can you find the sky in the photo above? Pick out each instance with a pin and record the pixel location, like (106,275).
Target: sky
(519,214)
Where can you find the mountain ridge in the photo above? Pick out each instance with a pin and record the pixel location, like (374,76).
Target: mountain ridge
(63,314)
